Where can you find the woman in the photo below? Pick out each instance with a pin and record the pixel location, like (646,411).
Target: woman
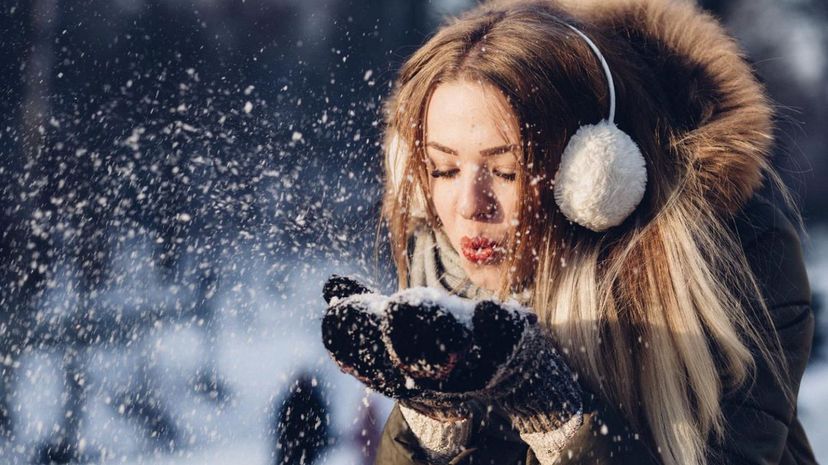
(598,162)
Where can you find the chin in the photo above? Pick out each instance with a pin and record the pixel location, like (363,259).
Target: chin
(490,263)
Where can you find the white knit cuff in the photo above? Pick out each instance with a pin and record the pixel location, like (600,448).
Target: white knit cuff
(548,445)
(440,440)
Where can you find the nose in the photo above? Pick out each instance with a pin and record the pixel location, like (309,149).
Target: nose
(477,200)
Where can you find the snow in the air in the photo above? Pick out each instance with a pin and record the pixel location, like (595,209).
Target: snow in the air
(178,179)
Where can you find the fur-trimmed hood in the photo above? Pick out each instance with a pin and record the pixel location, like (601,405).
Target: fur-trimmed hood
(727,132)
(721,121)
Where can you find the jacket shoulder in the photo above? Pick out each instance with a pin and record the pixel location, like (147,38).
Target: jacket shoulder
(774,253)
(761,417)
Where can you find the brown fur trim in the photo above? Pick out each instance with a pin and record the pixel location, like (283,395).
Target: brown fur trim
(724,127)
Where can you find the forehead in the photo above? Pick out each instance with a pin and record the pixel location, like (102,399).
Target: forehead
(465,114)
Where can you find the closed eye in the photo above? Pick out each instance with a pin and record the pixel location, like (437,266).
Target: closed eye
(443,173)
(452,173)
(506,176)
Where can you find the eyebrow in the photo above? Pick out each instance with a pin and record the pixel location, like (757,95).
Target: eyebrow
(485,152)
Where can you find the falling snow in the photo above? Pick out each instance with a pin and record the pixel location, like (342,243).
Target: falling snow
(177,181)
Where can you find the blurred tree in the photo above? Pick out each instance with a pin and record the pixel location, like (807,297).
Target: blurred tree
(25,69)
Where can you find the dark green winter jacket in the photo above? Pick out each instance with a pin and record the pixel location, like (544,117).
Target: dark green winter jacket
(762,424)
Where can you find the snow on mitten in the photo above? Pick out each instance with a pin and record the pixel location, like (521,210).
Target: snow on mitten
(351,332)
(495,352)
(340,287)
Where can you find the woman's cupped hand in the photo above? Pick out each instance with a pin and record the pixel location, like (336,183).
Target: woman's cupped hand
(435,352)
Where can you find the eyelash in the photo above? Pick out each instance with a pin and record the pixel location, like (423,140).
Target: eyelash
(443,174)
(451,173)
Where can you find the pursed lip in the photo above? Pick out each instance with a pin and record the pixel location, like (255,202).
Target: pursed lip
(479,249)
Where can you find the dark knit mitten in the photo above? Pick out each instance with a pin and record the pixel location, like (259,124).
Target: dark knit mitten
(352,331)
(351,334)
(493,352)
(535,385)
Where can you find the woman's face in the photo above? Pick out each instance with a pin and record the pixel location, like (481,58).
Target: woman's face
(472,147)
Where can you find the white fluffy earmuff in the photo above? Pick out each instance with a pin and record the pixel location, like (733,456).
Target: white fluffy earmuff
(602,174)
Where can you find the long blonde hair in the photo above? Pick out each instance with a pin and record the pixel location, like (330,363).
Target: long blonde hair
(666,292)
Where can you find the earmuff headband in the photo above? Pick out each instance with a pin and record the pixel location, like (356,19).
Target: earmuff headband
(602,175)
(605,66)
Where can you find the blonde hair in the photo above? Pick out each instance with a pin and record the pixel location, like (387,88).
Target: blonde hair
(666,292)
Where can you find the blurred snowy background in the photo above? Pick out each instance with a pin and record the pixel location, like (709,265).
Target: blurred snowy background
(180,176)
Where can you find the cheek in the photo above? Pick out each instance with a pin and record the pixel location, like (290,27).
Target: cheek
(507,197)
(442,196)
